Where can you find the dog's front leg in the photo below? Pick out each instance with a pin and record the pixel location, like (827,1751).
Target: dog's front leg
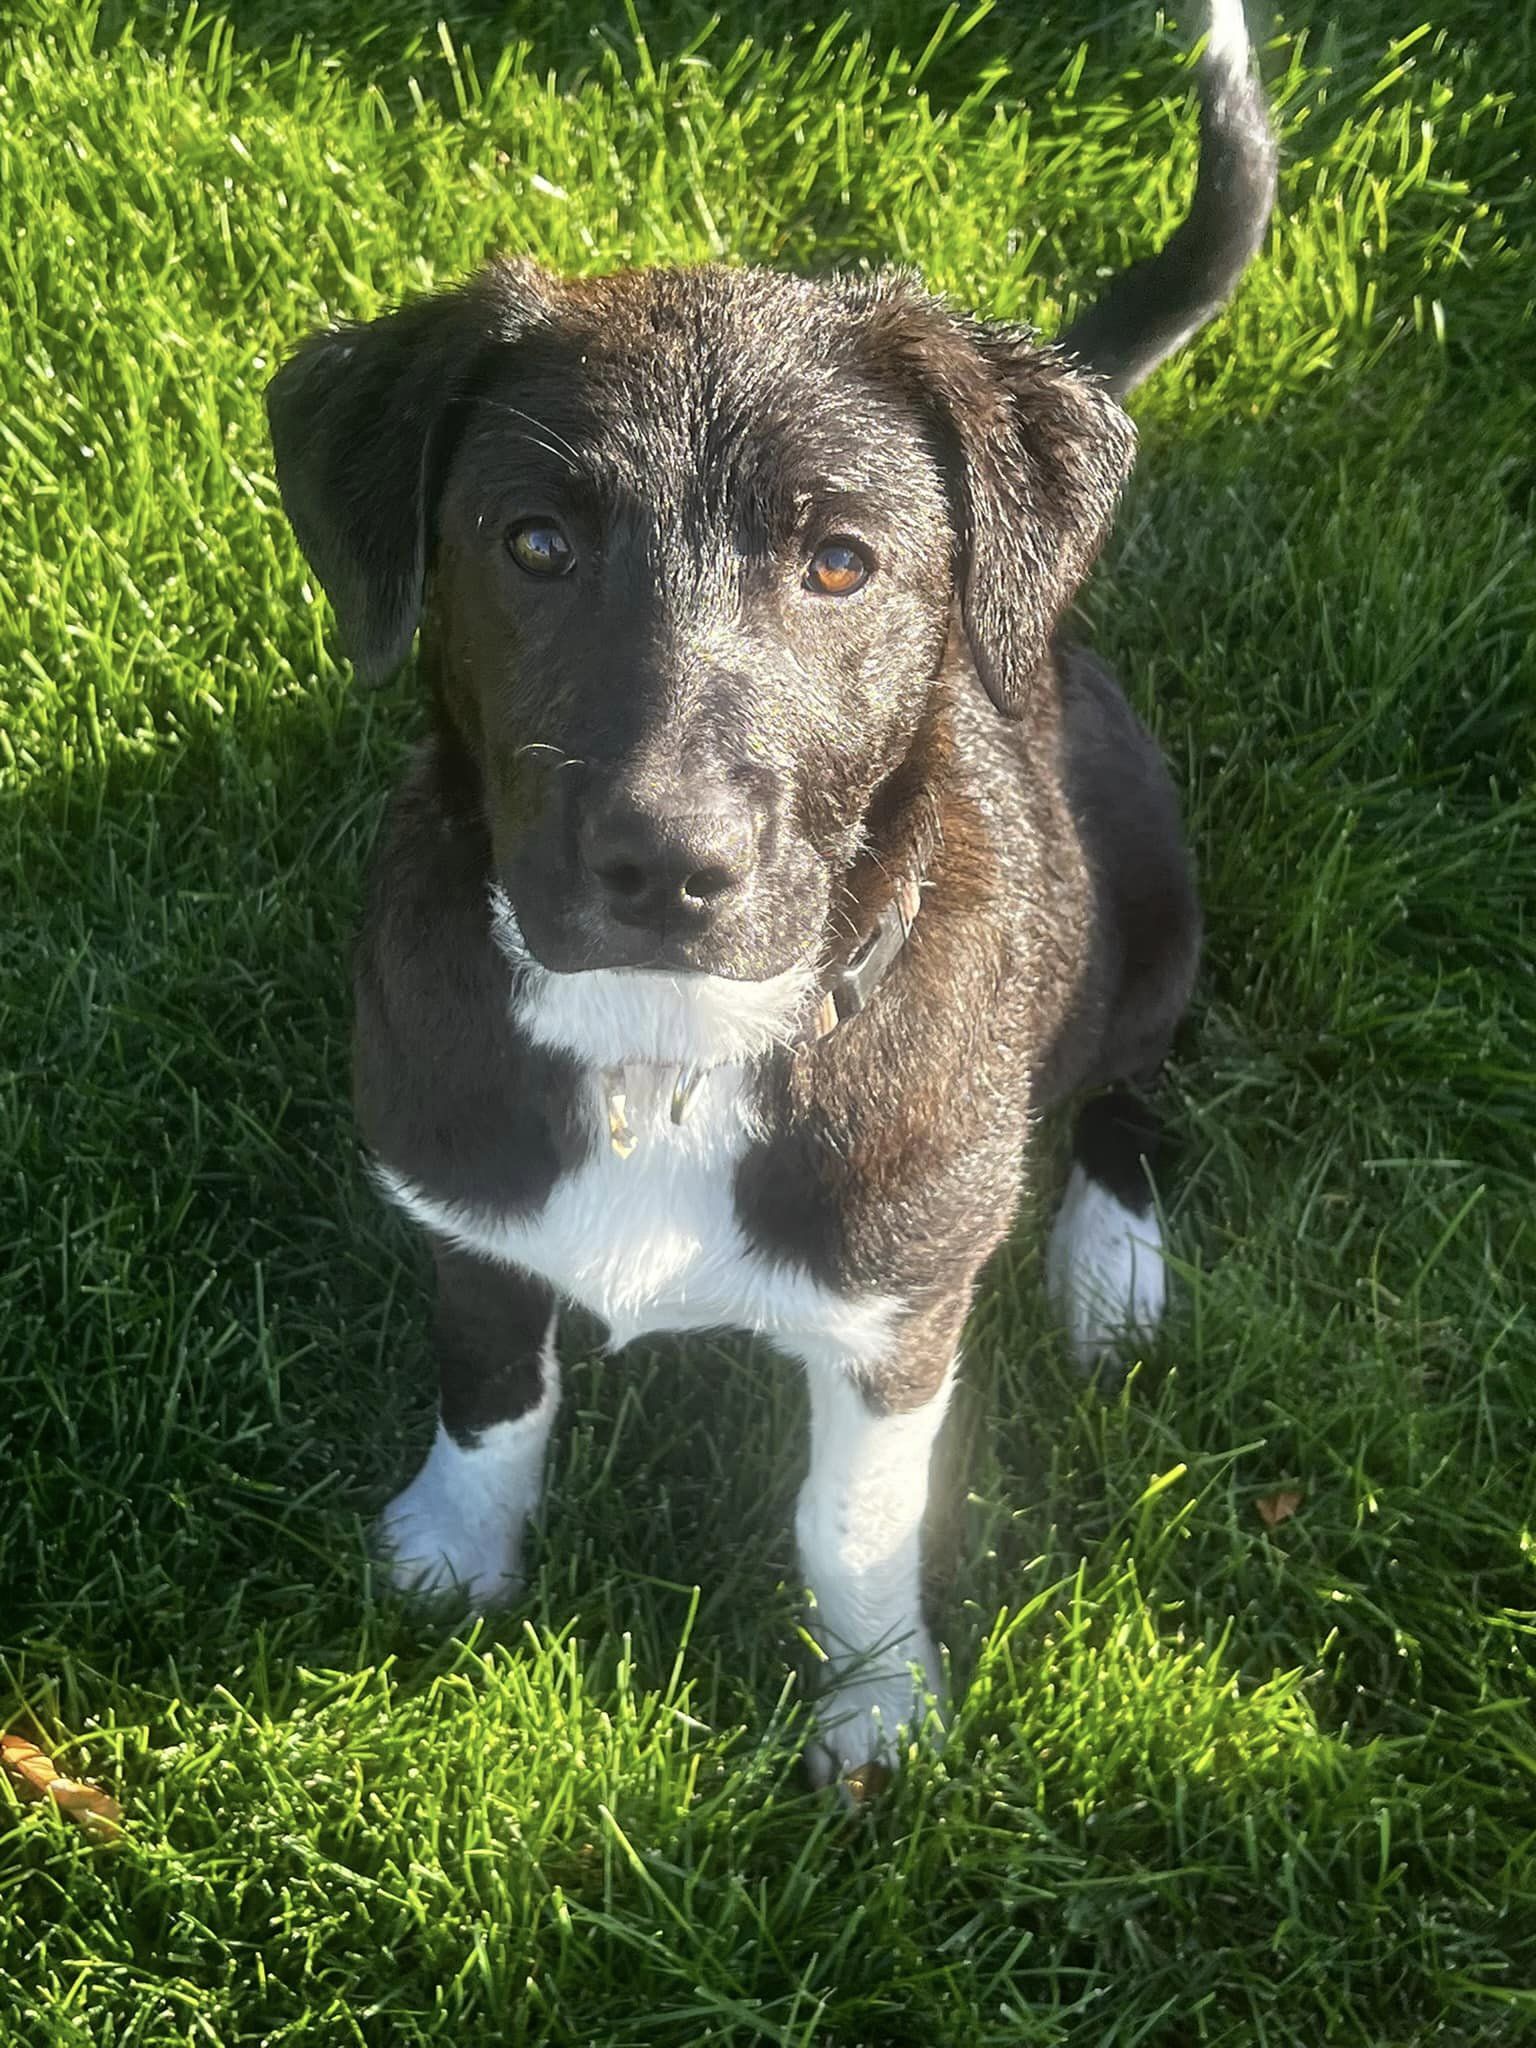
(859,1528)
(459,1525)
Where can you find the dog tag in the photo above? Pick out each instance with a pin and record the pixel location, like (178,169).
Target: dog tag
(621,1133)
(684,1088)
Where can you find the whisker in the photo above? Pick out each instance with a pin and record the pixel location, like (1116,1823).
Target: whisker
(548,747)
(548,448)
(564,452)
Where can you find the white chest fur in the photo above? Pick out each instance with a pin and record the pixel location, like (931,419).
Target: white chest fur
(651,1242)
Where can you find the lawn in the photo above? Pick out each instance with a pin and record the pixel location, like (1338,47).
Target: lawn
(1212,1781)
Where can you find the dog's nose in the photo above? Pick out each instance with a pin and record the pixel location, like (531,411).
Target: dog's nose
(669,867)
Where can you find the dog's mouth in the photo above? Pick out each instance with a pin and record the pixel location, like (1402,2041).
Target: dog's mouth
(644,955)
(654,1009)
(681,956)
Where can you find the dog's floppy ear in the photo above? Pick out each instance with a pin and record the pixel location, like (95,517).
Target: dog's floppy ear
(1037,454)
(360,418)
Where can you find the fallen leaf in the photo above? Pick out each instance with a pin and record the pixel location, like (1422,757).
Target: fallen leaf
(38,1777)
(1275,1508)
(866,1782)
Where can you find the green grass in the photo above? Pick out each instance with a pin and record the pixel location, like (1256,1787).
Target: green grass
(1208,1783)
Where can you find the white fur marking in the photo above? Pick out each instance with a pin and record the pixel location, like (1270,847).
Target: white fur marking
(1226,43)
(652,1242)
(609,1015)
(459,1524)
(859,1528)
(1104,1270)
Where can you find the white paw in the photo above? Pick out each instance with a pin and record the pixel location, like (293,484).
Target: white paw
(865,1721)
(458,1526)
(429,1552)
(1104,1271)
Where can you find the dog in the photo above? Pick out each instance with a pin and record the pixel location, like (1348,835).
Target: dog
(772,865)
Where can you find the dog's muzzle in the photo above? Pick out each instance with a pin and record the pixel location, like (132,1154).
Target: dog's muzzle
(670,865)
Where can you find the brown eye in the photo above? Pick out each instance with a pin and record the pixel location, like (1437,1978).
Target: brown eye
(837,569)
(540,548)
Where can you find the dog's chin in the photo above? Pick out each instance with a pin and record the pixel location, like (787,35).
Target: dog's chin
(656,1010)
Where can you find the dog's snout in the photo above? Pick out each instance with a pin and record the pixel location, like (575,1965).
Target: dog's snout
(670,864)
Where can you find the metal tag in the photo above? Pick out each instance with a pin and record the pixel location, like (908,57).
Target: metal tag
(621,1133)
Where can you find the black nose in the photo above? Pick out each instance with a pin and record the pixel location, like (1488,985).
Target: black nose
(669,867)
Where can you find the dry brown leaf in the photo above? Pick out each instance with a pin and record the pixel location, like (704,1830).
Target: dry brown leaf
(866,1782)
(37,1775)
(1275,1508)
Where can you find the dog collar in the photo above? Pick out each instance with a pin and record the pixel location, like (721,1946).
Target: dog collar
(846,990)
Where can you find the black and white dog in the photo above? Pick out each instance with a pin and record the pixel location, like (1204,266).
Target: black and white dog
(770,867)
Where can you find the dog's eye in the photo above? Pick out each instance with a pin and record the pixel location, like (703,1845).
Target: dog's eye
(837,569)
(539,547)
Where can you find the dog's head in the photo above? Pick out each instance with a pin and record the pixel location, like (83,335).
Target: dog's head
(690,546)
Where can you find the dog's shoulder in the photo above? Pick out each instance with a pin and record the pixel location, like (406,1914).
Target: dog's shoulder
(449,1088)
(896,1144)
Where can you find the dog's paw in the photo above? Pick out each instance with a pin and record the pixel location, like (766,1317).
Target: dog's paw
(1104,1272)
(444,1535)
(430,1554)
(865,1721)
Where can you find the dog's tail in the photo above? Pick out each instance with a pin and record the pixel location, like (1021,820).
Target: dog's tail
(1155,306)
